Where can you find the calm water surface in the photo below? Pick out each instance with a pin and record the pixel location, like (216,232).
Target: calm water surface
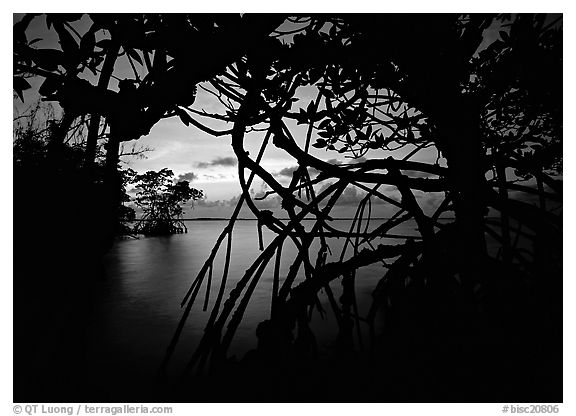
(138,302)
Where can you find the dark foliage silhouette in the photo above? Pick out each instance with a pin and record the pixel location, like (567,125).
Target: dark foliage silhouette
(479,111)
(161,201)
(448,316)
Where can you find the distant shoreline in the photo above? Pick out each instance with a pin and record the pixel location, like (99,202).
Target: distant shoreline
(284,219)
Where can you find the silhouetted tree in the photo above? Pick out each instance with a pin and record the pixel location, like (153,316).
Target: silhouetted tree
(164,79)
(398,84)
(385,88)
(161,201)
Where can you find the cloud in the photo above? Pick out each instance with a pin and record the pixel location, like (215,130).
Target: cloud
(189,176)
(209,204)
(272,201)
(287,172)
(219,161)
(360,159)
(352,195)
(417,174)
(233,201)
(225,161)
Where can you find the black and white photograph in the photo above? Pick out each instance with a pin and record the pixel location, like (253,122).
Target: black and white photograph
(288,208)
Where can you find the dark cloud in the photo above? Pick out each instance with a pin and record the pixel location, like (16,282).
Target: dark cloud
(189,176)
(224,161)
(285,172)
(209,204)
(360,159)
(417,174)
(219,161)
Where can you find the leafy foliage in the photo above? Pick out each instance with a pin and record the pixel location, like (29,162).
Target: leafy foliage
(384,88)
(382,102)
(161,201)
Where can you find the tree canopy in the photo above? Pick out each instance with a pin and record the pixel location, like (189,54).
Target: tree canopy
(161,199)
(385,90)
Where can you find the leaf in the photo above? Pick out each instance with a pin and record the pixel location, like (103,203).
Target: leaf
(54,19)
(48,59)
(324,124)
(19,85)
(87,43)
(104,43)
(332,31)
(67,17)
(311,111)
(134,55)
(315,74)
(320,143)
(328,93)
(324,134)
(94,62)
(410,135)
(49,86)
(19,28)
(302,117)
(66,40)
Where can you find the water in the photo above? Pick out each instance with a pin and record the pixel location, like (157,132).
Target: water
(138,302)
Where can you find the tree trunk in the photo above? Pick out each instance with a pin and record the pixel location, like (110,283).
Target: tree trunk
(461,144)
(112,191)
(103,81)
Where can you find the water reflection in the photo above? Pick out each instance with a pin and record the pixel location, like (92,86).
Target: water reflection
(146,279)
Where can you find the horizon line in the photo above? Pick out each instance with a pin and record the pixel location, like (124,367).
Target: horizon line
(287,219)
